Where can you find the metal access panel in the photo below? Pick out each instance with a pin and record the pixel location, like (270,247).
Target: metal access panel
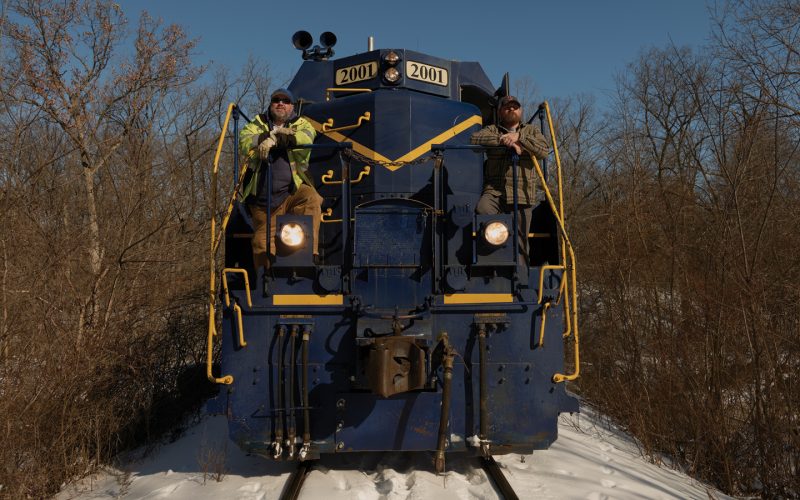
(392,235)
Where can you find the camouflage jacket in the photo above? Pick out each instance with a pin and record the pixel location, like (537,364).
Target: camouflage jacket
(497,175)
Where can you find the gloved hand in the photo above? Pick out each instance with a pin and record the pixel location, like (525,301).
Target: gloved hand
(265,146)
(284,136)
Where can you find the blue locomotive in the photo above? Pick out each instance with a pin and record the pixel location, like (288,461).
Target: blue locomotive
(418,327)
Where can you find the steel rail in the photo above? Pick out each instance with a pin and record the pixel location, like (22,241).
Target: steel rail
(496,476)
(295,483)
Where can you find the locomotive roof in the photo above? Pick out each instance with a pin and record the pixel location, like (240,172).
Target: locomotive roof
(461,81)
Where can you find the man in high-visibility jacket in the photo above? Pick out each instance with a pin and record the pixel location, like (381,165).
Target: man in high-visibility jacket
(267,141)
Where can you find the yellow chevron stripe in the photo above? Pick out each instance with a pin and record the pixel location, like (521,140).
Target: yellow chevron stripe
(358,147)
(441,138)
(411,155)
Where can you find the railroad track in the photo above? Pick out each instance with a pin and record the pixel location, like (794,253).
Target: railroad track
(295,482)
(496,475)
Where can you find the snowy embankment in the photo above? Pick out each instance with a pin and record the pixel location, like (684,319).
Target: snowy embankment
(589,460)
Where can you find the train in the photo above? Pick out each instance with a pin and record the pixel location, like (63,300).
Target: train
(413,330)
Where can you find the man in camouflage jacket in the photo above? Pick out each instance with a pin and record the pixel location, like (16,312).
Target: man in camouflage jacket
(498,190)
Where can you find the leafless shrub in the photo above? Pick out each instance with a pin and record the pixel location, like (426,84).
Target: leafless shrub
(212,459)
(689,296)
(102,254)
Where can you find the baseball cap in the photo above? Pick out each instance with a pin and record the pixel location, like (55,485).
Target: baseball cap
(507,99)
(283,93)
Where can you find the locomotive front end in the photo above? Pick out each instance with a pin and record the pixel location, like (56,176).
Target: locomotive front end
(419,327)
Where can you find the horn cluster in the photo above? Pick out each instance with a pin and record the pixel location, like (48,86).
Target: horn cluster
(302,41)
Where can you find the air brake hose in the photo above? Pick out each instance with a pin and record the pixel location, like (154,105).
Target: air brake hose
(277,450)
(292,434)
(447,363)
(484,392)
(306,406)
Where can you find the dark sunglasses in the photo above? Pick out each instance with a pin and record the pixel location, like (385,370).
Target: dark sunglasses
(282,100)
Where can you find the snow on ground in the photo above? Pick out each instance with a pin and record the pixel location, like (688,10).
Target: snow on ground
(590,460)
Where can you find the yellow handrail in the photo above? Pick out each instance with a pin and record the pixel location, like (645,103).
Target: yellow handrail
(328,213)
(225,284)
(326,178)
(570,269)
(541,279)
(238,311)
(367,116)
(342,89)
(562,292)
(232,201)
(212,267)
(567,322)
(544,320)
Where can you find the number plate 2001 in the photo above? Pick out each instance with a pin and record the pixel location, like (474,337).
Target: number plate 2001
(426,73)
(357,73)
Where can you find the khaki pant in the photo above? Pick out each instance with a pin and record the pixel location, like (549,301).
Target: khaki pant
(304,201)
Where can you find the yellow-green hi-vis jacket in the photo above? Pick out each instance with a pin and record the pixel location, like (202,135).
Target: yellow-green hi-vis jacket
(258,130)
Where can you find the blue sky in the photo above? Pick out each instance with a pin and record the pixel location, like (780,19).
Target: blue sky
(565,47)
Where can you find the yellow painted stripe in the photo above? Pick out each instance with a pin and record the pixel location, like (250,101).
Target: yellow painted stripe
(441,138)
(478,298)
(358,147)
(307,300)
(411,155)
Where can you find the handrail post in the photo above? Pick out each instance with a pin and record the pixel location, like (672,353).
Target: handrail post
(344,160)
(545,307)
(569,266)
(267,172)
(542,269)
(225,290)
(541,113)
(238,310)
(235,116)
(515,217)
(546,115)
(438,163)
(212,264)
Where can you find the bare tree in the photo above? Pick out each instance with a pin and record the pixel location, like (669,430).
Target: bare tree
(524,88)
(64,51)
(691,298)
(102,197)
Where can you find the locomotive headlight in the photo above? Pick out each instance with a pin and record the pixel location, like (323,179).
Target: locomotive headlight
(391,75)
(391,58)
(496,233)
(292,235)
